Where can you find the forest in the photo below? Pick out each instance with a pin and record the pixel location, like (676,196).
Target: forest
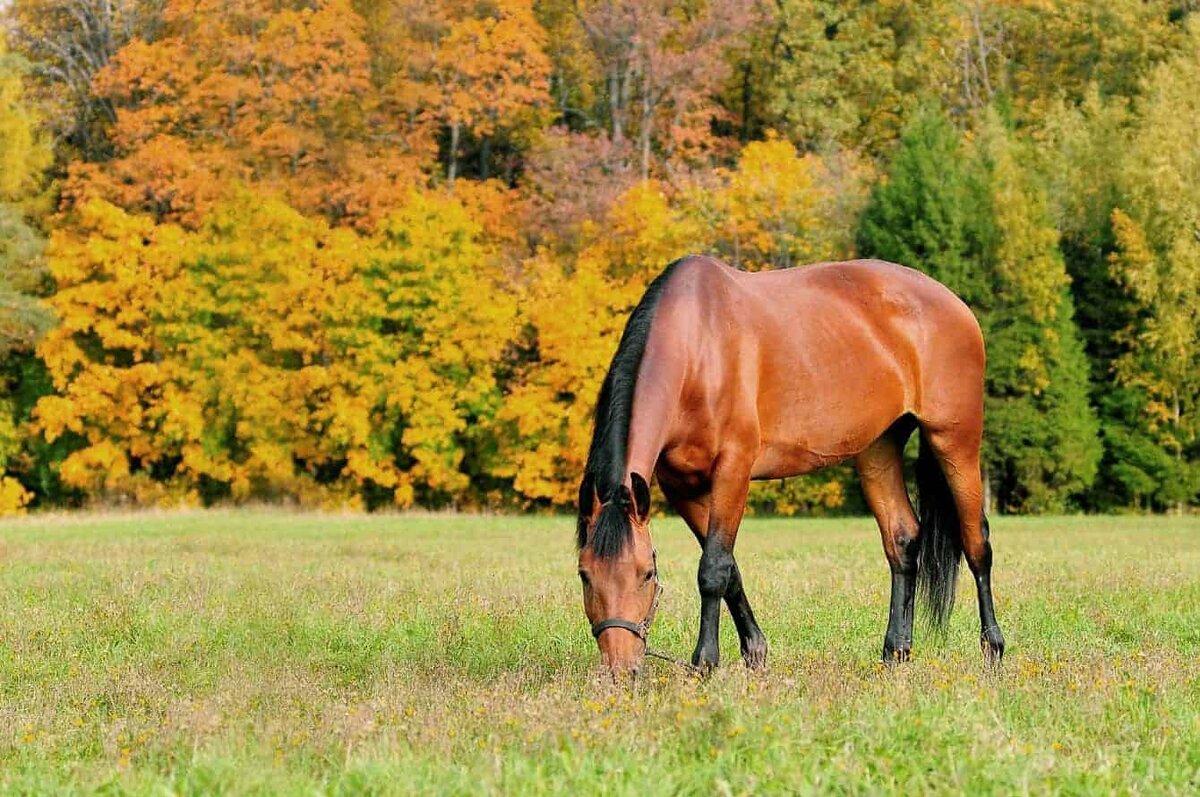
(378,253)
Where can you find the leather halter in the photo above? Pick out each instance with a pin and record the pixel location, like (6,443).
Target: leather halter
(640,630)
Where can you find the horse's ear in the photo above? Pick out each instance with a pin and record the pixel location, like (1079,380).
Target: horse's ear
(587,499)
(641,497)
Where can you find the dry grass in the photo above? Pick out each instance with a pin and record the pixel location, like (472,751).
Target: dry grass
(263,652)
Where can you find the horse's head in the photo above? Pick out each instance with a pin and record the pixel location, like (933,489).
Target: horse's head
(618,569)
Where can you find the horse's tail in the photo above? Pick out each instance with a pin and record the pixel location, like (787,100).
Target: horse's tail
(940,548)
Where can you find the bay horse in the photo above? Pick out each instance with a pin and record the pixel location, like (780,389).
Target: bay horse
(723,376)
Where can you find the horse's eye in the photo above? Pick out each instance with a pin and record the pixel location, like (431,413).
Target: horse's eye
(651,575)
(584,578)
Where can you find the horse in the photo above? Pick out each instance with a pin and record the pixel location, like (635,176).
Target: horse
(723,376)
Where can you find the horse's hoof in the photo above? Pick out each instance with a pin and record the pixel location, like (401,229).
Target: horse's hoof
(991,641)
(705,661)
(896,649)
(754,653)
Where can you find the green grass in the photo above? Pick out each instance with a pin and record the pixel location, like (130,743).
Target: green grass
(267,652)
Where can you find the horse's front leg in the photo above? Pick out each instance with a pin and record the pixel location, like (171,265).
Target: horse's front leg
(695,512)
(718,576)
(750,637)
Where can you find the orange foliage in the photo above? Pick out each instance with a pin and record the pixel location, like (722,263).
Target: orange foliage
(253,90)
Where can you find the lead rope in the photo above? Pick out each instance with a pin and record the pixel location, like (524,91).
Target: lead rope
(686,665)
(645,625)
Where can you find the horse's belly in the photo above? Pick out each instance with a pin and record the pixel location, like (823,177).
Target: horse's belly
(781,460)
(795,445)
(784,461)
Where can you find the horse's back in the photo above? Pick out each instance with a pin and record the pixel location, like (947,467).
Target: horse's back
(819,360)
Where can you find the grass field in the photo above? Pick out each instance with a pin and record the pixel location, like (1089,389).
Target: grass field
(266,652)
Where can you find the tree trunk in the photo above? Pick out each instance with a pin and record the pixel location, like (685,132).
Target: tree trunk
(647,119)
(485,158)
(616,101)
(747,89)
(452,172)
(1178,508)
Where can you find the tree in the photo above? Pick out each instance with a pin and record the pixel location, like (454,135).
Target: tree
(779,208)
(267,354)
(1044,446)
(847,73)
(574,314)
(654,69)
(475,73)
(490,71)
(1050,51)
(1157,264)
(931,210)
(70,42)
(276,94)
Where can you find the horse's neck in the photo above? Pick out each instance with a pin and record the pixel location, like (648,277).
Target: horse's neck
(655,399)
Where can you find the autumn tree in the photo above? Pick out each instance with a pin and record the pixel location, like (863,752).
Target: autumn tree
(69,42)
(473,73)
(24,156)
(574,314)
(779,208)
(266,354)
(490,70)
(1037,54)
(654,70)
(276,94)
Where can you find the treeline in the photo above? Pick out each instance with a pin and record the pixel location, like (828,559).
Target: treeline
(378,253)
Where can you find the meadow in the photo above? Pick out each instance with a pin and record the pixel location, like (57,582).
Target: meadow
(250,652)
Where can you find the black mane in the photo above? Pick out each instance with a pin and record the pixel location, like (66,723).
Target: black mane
(605,471)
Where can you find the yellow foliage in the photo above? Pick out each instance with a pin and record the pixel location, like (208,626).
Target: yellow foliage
(771,205)
(268,354)
(576,316)
(807,494)
(24,154)
(13,497)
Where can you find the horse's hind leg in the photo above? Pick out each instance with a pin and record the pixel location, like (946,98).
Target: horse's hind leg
(880,469)
(957,451)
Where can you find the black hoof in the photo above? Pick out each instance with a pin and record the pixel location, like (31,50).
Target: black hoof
(896,649)
(754,652)
(991,641)
(705,660)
